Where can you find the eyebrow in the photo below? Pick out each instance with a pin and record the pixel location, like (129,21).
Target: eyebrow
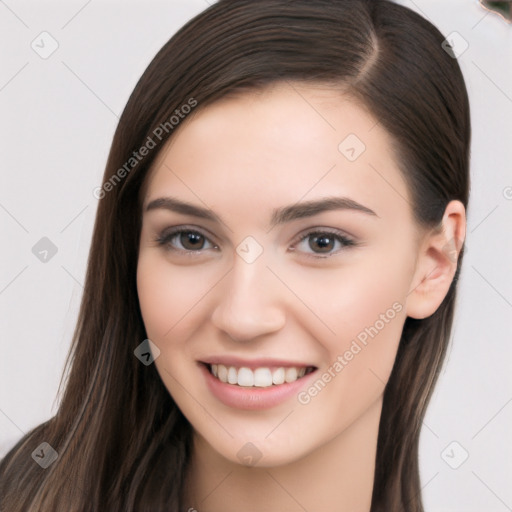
(279,215)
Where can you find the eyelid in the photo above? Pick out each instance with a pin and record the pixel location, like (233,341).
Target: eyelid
(164,236)
(319,229)
(188,227)
(347,240)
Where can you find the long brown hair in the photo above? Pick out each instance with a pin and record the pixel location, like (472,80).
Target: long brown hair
(122,442)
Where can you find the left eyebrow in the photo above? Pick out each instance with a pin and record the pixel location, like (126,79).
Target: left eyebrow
(279,215)
(317,206)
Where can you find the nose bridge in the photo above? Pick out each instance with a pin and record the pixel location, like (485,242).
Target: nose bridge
(248,304)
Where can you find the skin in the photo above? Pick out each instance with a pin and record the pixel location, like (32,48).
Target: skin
(242,157)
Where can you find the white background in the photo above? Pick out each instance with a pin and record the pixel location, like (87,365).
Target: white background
(57,119)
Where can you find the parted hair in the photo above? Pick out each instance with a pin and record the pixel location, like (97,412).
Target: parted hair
(122,442)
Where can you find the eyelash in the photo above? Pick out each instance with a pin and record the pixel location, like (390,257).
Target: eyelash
(165,238)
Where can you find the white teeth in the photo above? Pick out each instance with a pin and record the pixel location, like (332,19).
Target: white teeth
(245,377)
(223,373)
(290,375)
(261,377)
(278,376)
(232,376)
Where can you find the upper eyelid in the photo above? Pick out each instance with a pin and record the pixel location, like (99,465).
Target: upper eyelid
(175,230)
(330,231)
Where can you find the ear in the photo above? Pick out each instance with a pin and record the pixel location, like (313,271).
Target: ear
(437,262)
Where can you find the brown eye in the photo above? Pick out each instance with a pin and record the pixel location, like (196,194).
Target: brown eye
(324,242)
(185,241)
(191,240)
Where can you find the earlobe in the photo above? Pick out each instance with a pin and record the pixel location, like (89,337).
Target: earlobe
(437,263)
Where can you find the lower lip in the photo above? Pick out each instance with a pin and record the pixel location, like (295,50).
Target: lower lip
(252,398)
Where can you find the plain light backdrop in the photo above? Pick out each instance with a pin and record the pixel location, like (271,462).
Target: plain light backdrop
(58,116)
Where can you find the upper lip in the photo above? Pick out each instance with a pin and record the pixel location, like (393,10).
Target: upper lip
(255,363)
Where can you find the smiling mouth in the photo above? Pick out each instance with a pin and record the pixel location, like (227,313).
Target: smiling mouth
(263,377)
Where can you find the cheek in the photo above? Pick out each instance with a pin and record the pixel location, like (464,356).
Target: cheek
(169,295)
(169,298)
(363,307)
(359,361)
(344,301)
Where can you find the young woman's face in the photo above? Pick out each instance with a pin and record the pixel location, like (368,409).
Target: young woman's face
(287,244)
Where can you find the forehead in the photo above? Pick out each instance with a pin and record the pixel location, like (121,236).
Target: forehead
(280,144)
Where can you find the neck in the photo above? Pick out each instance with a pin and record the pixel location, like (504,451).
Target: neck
(338,475)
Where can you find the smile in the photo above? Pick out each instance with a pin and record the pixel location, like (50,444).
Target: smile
(256,384)
(262,377)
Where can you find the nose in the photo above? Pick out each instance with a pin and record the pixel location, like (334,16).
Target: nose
(248,304)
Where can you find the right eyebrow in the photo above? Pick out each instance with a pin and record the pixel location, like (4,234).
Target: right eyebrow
(178,206)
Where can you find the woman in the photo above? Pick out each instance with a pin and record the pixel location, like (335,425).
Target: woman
(271,284)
